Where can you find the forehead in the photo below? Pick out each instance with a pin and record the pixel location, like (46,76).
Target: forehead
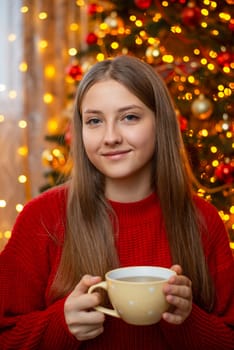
(108,92)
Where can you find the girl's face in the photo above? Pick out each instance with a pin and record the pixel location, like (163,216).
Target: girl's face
(118,132)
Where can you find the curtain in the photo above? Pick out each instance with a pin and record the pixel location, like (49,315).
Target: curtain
(34,46)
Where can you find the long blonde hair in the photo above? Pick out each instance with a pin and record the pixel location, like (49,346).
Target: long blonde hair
(89,245)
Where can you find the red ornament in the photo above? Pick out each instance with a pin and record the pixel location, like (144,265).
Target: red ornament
(75,71)
(91,39)
(225,172)
(183,123)
(68,135)
(92,9)
(225,58)
(182,2)
(143,4)
(231,25)
(191,16)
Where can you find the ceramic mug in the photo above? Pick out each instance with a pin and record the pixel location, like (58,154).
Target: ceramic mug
(136,293)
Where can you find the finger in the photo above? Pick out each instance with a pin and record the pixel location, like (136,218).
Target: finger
(173,318)
(180,280)
(179,303)
(177,268)
(84,333)
(84,284)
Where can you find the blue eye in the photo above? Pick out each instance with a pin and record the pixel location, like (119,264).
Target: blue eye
(93,121)
(131,117)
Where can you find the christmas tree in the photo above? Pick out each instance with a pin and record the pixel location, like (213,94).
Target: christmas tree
(190,44)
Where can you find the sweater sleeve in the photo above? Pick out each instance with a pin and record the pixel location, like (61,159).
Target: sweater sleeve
(215,330)
(27,320)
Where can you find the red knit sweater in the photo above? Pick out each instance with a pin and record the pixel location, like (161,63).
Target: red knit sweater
(30,259)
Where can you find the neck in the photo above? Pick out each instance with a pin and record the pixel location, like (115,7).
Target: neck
(125,191)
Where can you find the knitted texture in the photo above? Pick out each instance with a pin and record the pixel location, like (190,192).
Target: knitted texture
(30,260)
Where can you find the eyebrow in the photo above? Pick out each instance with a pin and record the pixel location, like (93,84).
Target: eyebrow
(122,109)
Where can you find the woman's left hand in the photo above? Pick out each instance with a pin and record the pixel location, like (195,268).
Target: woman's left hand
(178,292)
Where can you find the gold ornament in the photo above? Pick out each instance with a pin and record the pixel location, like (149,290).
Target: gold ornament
(114,23)
(202,107)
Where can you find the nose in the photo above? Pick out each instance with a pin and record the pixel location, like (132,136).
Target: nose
(112,135)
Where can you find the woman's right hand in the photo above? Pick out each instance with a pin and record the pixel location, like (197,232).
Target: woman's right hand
(82,321)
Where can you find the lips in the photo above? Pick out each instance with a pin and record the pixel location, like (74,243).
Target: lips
(115,153)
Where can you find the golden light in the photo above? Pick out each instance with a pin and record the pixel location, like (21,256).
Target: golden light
(205,12)
(12,94)
(23,67)
(2,118)
(210,66)
(168,58)
(132,18)
(19,207)
(225,16)
(196,52)
(48,98)
(11,37)
(72,51)
(2,203)
(138,23)
(188,96)
(176,29)
(204,25)
(50,71)
(24,9)
(52,125)
(80,3)
(43,44)
(74,27)
(42,15)
(22,124)
(213,149)
(212,54)
(100,57)
(215,163)
(191,79)
(22,179)
(114,45)
(203,61)
(23,151)
(7,234)
(226,70)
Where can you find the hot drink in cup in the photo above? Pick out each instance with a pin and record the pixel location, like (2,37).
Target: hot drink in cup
(136,293)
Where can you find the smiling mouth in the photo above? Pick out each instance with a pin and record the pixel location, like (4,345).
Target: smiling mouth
(115,153)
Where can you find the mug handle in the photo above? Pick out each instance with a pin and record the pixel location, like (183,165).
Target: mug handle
(105,310)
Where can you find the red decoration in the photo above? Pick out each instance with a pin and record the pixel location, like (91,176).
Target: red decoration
(183,123)
(225,172)
(75,71)
(91,39)
(143,4)
(68,135)
(225,58)
(231,25)
(182,2)
(92,9)
(191,16)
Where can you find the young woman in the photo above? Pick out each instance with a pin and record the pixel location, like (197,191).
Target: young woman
(129,202)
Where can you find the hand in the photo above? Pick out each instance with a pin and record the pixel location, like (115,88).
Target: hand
(83,322)
(178,293)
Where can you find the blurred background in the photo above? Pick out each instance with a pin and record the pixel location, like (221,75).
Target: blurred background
(47,46)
